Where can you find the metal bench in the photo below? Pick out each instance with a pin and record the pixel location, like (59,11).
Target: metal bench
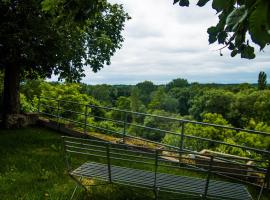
(158,170)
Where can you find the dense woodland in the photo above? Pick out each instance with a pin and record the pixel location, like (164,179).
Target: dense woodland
(236,105)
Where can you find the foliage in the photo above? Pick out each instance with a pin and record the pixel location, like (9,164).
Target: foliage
(136,105)
(157,123)
(104,93)
(211,101)
(66,94)
(262,81)
(32,88)
(208,132)
(112,127)
(237,18)
(183,95)
(122,103)
(177,83)
(27,106)
(249,140)
(60,36)
(162,101)
(145,89)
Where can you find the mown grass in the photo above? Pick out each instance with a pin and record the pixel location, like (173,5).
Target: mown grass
(33,167)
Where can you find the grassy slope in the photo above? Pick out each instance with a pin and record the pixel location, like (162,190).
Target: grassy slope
(32,167)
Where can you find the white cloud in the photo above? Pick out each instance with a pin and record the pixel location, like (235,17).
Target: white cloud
(164,41)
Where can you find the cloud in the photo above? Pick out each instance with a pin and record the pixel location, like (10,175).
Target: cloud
(164,42)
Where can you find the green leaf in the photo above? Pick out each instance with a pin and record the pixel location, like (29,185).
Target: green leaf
(184,3)
(212,31)
(175,1)
(237,16)
(258,23)
(234,53)
(231,46)
(202,3)
(248,52)
(219,5)
(239,39)
(222,37)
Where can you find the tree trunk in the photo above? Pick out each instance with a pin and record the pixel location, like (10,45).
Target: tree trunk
(11,95)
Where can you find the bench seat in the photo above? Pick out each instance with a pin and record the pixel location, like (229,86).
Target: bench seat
(165,182)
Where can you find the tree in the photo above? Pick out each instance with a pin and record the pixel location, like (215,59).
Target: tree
(212,101)
(237,18)
(136,105)
(158,123)
(45,37)
(145,90)
(162,101)
(262,82)
(177,83)
(183,95)
(122,103)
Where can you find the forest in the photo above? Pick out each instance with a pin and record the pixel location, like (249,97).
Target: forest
(235,105)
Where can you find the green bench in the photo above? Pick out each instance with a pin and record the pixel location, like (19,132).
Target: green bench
(158,170)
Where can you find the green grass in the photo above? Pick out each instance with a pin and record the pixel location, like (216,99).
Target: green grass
(32,167)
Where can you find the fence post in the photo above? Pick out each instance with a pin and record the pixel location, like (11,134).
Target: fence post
(208,177)
(85,117)
(109,162)
(182,136)
(125,126)
(38,104)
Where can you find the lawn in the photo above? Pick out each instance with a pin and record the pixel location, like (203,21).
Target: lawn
(32,167)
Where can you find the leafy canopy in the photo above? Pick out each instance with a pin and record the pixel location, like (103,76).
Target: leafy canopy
(59,36)
(237,19)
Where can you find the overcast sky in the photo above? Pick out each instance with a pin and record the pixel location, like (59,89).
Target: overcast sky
(165,41)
